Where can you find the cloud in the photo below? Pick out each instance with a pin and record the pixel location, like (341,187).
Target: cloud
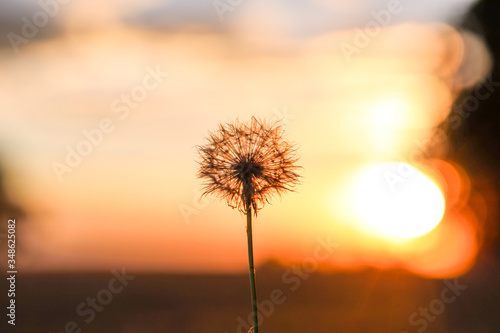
(82,14)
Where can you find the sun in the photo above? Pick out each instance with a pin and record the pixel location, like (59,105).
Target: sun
(395,201)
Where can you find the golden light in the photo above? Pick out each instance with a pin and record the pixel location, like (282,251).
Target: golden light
(395,201)
(389,114)
(385,118)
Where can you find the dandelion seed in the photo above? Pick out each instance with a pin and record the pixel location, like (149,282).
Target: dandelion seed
(248,162)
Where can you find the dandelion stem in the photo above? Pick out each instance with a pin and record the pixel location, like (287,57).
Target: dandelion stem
(251,267)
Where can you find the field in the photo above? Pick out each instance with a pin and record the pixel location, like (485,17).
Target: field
(291,301)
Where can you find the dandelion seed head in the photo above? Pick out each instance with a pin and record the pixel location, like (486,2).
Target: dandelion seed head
(245,164)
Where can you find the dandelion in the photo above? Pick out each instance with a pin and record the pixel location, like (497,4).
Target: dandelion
(246,164)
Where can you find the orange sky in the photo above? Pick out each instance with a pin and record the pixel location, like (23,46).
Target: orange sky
(124,203)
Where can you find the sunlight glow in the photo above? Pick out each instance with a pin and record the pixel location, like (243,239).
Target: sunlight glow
(388,114)
(385,118)
(395,201)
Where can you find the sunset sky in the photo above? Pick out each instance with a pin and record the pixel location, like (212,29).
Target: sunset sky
(352,102)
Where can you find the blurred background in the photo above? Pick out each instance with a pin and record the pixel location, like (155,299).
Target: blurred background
(393,105)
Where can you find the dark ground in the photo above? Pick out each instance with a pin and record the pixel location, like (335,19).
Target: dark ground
(364,302)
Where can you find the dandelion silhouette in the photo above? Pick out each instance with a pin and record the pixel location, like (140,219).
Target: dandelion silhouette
(245,164)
